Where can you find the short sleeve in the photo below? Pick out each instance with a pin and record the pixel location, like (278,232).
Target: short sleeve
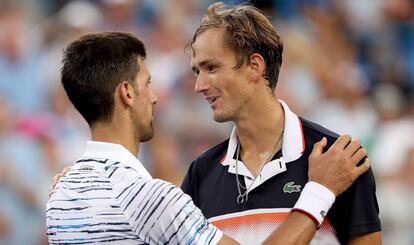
(356,210)
(162,213)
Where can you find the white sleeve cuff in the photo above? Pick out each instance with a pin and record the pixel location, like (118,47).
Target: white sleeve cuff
(315,200)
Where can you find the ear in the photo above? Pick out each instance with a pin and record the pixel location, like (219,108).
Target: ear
(257,67)
(126,93)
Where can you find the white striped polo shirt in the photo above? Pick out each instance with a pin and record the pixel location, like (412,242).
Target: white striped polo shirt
(109,197)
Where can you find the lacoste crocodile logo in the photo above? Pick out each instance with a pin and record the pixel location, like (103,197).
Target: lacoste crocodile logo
(291,187)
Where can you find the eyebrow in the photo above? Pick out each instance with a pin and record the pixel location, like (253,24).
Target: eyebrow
(201,64)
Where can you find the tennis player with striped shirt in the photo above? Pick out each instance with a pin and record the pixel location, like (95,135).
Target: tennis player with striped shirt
(108,196)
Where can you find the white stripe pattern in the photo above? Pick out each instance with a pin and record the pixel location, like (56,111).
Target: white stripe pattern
(105,201)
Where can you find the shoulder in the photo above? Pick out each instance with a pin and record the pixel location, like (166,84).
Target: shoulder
(124,177)
(207,163)
(138,193)
(214,155)
(313,132)
(313,128)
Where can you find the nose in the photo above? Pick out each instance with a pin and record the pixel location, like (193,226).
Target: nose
(201,84)
(154,97)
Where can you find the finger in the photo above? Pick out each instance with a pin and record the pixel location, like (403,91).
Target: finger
(342,141)
(362,168)
(319,146)
(51,188)
(65,170)
(54,182)
(359,155)
(56,179)
(352,147)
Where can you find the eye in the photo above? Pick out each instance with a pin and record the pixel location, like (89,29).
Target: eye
(196,73)
(211,68)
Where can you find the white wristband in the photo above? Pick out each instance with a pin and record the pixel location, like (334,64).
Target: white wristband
(315,200)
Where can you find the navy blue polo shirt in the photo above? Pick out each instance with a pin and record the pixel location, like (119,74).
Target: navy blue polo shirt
(211,182)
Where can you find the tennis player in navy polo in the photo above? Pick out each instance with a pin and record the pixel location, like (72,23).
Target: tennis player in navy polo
(248,184)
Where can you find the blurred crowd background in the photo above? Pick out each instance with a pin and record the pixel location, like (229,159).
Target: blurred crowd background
(348,65)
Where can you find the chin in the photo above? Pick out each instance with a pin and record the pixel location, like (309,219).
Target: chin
(220,118)
(147,135)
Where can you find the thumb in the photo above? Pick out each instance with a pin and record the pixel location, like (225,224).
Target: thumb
(319,146)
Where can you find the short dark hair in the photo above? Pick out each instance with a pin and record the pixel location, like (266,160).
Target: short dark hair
(94,65)
(248,31)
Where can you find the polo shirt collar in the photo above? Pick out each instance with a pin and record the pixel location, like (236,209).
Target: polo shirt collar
(293,141)
(116,152)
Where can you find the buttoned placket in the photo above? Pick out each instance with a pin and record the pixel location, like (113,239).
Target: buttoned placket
(271,169)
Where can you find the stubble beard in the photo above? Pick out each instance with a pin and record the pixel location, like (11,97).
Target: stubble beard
(142,132)
(148,133)
(222,117)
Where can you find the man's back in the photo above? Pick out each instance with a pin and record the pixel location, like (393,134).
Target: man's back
(102,200)
(84,206)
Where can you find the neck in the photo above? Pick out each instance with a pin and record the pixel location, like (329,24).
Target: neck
(260,134)
(261,131)
(113,133)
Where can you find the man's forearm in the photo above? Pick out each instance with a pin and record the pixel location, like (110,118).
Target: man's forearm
(297,229)
(300,226)
(373,238)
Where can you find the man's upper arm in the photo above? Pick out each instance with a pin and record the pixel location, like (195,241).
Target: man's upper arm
(355,212)
(160,212)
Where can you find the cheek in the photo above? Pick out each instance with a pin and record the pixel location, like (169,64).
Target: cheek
(231,85)
(221,81)
(144,95)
